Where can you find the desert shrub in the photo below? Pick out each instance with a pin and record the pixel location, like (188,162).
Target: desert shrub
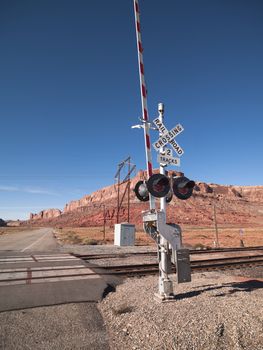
(89,241)
(72,238)
(200,246)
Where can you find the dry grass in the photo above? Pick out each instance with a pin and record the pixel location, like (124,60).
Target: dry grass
(83,235)
(193,236)
(95,235)
(228,236)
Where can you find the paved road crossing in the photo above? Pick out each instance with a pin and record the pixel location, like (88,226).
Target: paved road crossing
(42,274)
(36,279)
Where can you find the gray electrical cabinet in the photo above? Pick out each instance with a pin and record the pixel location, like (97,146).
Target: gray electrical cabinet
(183,267)
(124,234)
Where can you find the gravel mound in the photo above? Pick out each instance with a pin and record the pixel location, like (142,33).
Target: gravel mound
(255,272)
(213,312)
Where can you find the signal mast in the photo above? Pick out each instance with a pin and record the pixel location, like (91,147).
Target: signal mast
(159,186)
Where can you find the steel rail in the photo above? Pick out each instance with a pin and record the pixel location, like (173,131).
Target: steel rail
(19,270)
(192,252)
(225,250)
(229,258)
(46,277)
(135,270)
(193,262)
(148,269)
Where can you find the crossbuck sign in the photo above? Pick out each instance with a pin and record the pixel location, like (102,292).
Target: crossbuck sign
(168,137)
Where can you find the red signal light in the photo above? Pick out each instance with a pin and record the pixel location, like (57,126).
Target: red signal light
(158,185)
(183,187)
(141,191)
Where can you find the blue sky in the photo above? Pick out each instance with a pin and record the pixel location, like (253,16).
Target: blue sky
(69,92)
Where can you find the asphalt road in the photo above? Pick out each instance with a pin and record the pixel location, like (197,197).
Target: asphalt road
(32,240)
(48,298)
(71,326)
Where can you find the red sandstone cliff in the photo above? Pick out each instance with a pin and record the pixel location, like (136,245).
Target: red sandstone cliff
(234,204)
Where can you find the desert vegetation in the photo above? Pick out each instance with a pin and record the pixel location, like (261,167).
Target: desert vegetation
(193,236)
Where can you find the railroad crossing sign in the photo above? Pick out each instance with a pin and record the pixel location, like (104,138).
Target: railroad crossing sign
(166,157)
(168,160)
(168,137)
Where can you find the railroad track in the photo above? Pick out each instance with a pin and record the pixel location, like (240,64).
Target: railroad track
(196,266)
(128,270)
(192,252)
(225,250)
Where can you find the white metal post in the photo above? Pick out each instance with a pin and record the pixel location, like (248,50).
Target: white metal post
(165,283)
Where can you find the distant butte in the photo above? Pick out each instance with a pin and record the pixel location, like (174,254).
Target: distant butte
(234,204)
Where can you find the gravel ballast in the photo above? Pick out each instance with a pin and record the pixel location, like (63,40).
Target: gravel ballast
(214,311)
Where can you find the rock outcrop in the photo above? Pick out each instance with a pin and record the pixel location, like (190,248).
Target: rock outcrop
(234,204)
(46,214)
(2,223)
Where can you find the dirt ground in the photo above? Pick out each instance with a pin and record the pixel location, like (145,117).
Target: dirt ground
(7,230)
(193,236)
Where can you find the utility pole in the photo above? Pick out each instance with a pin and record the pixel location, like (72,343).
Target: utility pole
(118,199)
(126,180)
(216,228)
(104,222)
(129,188)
